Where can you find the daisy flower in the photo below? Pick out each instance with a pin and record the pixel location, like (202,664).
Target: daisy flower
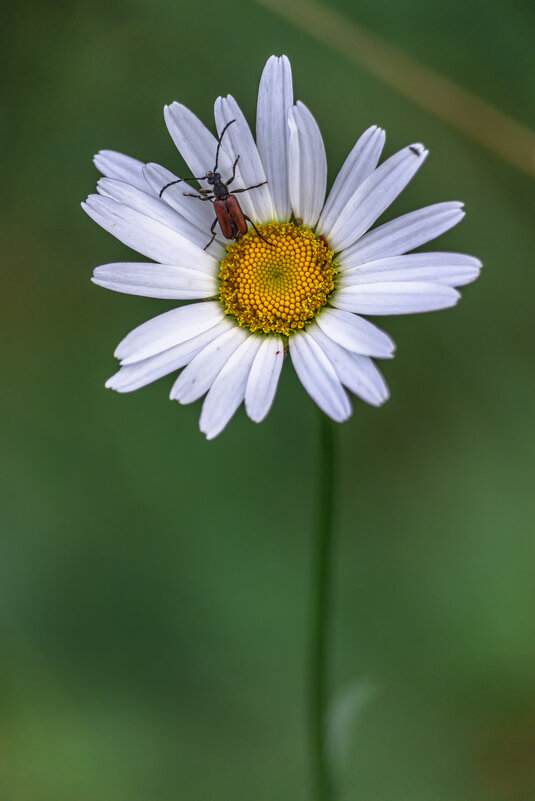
(298,281)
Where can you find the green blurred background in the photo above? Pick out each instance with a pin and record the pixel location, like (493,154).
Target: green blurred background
(154,586)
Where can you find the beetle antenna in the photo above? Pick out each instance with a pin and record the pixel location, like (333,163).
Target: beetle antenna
(179,181)
(271,245)
(219,143)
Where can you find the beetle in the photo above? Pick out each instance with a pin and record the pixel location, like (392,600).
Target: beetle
(229,215)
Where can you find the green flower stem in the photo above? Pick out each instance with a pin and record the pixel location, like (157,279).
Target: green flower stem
(321,591)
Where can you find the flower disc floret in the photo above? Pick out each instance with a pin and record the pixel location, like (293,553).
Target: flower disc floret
(277,287)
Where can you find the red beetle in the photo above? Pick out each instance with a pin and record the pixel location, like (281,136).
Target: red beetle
(232,220)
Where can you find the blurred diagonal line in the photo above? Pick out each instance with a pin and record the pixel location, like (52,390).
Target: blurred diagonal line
(478,120)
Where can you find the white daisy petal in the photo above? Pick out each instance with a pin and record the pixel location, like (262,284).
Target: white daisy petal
(264,378)
(450,269)
(403,234)
(228,389)
(395,298)
(360,163)
(147,204)
(318,377)
(239,141)
(375,195)
(167,330)
(146,235)
(307,165)
(358,373)
(355,333)
(196,144)
(124,168)
(201,372)
(155,280)
(275,98)
(134,376)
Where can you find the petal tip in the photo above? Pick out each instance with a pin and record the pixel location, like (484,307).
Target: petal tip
(169,111)
(344,416)
(256,417)
(418,149)
(209,434)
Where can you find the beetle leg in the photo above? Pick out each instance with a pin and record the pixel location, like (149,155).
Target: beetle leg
(233,171)
(246,189)
(199,197)
(212,231)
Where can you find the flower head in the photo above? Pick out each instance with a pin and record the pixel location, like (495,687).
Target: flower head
(272,266)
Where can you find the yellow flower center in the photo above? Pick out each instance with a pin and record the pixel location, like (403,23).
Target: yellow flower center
(280,287)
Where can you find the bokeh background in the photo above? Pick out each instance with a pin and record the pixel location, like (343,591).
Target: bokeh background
(153,586)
